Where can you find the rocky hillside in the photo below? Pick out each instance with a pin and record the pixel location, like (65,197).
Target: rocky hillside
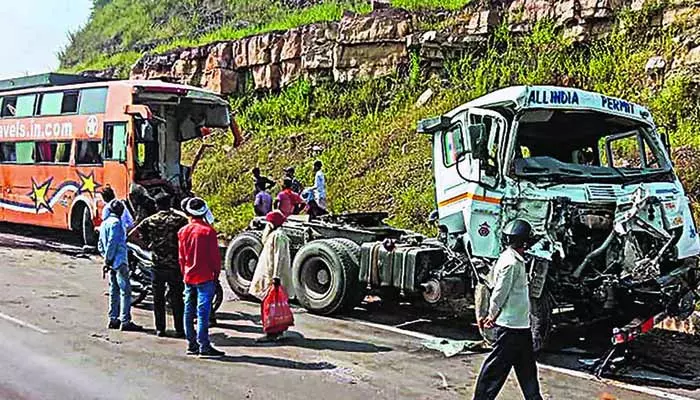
(348,88)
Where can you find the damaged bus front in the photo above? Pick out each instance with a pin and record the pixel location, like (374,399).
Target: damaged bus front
(614,235)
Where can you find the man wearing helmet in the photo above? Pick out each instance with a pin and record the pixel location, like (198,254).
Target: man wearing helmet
(509,316)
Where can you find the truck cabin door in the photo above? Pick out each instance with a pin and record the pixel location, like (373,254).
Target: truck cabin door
(467,178)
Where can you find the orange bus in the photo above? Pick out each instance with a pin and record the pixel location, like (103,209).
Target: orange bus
(63,138)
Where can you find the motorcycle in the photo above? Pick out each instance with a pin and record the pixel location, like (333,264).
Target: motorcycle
(141,277)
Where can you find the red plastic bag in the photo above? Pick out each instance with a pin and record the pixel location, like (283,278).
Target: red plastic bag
(276,313)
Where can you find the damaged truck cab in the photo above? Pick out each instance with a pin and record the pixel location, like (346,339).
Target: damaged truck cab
(613,230)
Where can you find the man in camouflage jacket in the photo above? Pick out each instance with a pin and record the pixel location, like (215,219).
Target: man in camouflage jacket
(159,231)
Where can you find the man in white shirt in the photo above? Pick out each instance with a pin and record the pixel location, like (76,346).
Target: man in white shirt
(319,188)
(509,316)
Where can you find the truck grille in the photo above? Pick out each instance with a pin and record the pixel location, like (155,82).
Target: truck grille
(601,193)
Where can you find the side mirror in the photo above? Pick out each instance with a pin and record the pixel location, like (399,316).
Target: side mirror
(478,141)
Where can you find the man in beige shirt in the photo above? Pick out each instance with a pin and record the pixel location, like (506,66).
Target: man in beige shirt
(509,316)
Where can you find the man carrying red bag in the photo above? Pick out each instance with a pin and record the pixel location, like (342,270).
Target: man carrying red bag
(272,281)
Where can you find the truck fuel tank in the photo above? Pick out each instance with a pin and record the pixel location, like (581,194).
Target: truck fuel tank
(404,267)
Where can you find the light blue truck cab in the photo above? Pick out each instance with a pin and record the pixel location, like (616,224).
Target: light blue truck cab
(612,223)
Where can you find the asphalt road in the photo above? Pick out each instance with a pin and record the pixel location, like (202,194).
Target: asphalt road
(54,345)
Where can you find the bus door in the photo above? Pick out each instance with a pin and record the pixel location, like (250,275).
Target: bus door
(116,170)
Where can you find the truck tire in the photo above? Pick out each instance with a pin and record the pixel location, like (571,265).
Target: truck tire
(88,228)
(325,276)
(482,297)
(240,261)
(541,320)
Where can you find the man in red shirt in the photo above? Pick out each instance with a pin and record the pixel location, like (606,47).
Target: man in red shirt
(200,265)
(288,201)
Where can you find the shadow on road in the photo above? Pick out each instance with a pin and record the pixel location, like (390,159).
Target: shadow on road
(39,238)
(296,339)
(277,362)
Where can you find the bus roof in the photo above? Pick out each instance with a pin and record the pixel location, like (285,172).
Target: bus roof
(53,82)
(44,80)
(556,97)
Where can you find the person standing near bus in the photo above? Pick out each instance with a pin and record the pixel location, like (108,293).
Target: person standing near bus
(200,264)
(112,246)
(159,231)
(109,197)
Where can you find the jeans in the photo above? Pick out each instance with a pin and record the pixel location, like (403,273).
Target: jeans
(120,294)
(512,349)
(173,279)
(202,300)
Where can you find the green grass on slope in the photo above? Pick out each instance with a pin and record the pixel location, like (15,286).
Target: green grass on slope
(116,28)
(375,160)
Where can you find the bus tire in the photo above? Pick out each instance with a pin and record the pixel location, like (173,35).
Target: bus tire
(88,228)
(240,261)
(325,276)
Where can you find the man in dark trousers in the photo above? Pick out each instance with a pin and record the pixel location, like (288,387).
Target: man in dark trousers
(509,316)
(159,231)
(200,264)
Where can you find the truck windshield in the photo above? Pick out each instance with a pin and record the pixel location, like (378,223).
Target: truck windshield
(565,146)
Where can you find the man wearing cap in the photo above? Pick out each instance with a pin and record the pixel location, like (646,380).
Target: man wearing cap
(160,231)
(200,265)
(274,262)
(112,246)
(296,185)
(509,317)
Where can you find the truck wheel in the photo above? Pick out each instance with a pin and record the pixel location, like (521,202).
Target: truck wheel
(88,228)
(240,262)
(541,320)
(482,297)
(325,276)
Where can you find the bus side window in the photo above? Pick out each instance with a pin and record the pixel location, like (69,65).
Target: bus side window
(92,101)
(25,152)
(8,153)
(25,105)
(9,105)
(89,153)
(53,152)
(115,142)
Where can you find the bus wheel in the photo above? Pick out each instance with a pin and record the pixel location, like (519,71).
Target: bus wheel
(88,228)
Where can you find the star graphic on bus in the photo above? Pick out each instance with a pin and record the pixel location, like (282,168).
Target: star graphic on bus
(39,194)
(88,183)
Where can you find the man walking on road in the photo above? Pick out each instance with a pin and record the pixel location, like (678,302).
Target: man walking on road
(160,231)
(509,316)
(200,264)
(112,246)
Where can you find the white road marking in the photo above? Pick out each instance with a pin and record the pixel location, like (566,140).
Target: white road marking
(573,373)
(22,323)
(621,385)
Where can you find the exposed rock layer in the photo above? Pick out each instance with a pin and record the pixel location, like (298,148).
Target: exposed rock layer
(380,43)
